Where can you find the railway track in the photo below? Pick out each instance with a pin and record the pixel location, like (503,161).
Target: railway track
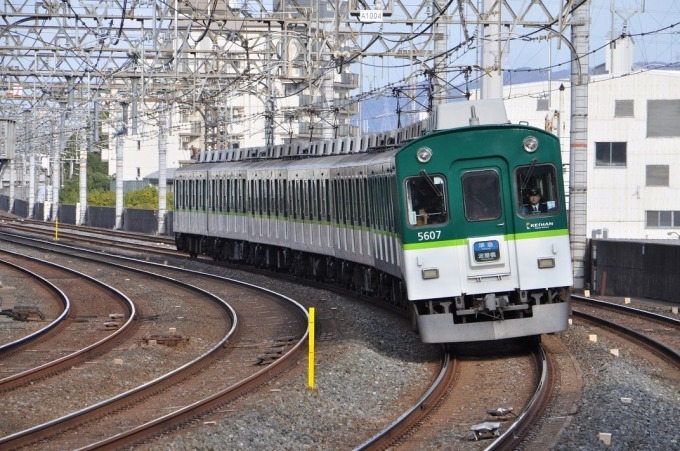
(658,333)
(52,228)
(131,243)
(437,406)
(461,406)
(94,317)
(144,407)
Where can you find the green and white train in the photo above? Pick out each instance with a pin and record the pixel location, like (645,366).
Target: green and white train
(432,218)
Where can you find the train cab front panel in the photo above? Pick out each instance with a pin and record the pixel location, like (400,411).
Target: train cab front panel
(477,264)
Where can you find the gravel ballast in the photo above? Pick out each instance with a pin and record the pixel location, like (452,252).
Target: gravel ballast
(368,362)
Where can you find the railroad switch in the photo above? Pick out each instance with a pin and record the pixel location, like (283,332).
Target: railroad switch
(485,430)
(170,340)
(24,313)
(7,299)
(269,356)
(114,321)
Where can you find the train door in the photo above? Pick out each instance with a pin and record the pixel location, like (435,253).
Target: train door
(484,219)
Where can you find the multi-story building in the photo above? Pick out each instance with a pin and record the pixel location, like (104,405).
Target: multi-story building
(633,152)
(257,81)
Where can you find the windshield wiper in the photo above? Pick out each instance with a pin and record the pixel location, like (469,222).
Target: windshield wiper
(431,183)
(530,173)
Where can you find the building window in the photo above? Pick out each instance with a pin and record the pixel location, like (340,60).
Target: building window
(185,116)
(662,118)
(663,219)
(657,175)
(624,108)
(610,154)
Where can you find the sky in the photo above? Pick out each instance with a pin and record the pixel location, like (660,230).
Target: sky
(638,16)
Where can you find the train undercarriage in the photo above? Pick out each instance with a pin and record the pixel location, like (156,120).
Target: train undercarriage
(361,279)
(492,316)
(472,308)
(468,318)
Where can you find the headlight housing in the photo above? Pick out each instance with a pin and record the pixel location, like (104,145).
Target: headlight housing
(424,154)
(530,144)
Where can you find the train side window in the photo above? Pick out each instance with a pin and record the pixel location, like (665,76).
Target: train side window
(383,205)
(537,190)
(327,201)
(212,188)
(298,200)
(262,196)
(389,212)
(364,201)
(227,195)
(218,196)
(370,189)
(356,200)
(271,208)
(334,200)
(232,195)
(241,195)
(319,201)
(482,198)
(284,198)
(223,195)
(306,198)
(426,200)
(289,199)
(204,196)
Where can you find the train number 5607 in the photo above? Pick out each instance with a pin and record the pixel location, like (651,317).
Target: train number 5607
(431,235)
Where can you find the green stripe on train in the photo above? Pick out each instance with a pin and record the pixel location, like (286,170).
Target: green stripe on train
(463,241)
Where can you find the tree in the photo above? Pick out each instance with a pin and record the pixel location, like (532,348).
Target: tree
(99,193)
(97,182)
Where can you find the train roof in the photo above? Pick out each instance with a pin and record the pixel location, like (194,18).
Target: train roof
(356,150)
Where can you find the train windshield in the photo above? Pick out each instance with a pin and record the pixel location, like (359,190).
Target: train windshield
(537,190)
(426,200)
(482,196)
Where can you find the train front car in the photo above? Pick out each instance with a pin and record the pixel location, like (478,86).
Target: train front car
(484,233)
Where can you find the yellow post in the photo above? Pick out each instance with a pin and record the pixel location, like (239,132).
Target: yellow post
(310,372)
(56,229)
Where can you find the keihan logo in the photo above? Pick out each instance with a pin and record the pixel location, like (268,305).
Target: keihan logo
(539,225)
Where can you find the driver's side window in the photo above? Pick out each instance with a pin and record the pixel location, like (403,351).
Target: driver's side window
(536,190)
(426,200)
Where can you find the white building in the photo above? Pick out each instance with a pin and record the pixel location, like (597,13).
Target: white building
(252,85)
(633,153)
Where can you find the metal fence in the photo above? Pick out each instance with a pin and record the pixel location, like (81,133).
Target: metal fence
(133,219)
(646,269)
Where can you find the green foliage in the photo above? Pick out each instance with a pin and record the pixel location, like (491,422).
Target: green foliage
(97,181)
(100,198)
(146,198)
(99,193)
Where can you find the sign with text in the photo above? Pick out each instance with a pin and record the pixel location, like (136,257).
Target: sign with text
(371,15)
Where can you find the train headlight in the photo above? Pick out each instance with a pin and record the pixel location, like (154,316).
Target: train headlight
(530,144)
(546,263)
(424,154)
(431,273)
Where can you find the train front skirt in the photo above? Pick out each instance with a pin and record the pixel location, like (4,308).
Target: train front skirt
(546,318)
